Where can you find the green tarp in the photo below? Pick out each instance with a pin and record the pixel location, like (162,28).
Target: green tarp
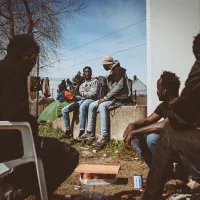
(52,111)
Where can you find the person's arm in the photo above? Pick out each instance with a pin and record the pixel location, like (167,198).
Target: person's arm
(154,117)
(156,127)
(115,89)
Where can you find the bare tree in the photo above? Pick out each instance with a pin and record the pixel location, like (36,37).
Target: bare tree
(42,19)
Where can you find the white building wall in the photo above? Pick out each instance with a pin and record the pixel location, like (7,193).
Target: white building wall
(171,25)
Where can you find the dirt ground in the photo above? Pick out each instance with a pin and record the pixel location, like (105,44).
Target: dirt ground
(130,165)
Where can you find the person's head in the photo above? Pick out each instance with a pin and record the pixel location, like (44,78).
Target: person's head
(24,48)
(61,87)
(168,86)
(196,46)
(107,62)
(87,72)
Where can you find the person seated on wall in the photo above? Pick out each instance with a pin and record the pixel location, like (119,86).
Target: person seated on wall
(65,94)
(179,135)
(88,93)
(117,86)
(145,141)
(61,93)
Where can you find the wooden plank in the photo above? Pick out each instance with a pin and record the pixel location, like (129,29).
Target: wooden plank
(99,169)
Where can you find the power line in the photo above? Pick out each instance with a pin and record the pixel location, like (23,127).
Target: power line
(56,79)
(106,35)
(95,41)
(101,56)
(81,55)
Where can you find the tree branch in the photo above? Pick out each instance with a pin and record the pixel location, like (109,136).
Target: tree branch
(29,16)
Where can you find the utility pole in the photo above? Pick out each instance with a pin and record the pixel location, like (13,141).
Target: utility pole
(37,97)
(52,93)
(135,100)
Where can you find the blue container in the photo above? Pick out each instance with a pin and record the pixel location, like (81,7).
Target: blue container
(138,181)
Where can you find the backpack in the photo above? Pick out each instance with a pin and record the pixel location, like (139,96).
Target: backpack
(126,93)
(102,86)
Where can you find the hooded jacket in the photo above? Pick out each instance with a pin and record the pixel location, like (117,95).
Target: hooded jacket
(117,82)
(13,79)
(187,106)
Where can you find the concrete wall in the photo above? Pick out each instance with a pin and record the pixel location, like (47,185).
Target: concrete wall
(171,25)
(119,119)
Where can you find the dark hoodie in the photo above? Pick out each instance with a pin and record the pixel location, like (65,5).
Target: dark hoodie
(117,82)
(13,79)
(187,107)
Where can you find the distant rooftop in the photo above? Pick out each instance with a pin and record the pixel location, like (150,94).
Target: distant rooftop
(139,86)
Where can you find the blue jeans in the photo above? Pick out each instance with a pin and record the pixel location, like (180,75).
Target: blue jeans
(104,117)
(82,105)
(146,146)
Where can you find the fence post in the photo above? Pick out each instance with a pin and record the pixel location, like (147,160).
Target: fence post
(135,100)
(37,102)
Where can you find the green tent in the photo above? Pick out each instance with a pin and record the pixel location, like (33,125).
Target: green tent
(52,111)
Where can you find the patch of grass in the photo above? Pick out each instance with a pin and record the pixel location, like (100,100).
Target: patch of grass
(49,131)
(114,146)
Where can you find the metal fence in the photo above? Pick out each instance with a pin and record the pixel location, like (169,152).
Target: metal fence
(139,97)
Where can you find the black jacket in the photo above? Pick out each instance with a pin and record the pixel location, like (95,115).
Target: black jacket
(187,107)
(14,90)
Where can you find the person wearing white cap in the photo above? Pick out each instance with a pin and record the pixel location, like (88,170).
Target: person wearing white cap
(117,86)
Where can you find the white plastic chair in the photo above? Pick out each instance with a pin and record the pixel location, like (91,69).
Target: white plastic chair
(28,156)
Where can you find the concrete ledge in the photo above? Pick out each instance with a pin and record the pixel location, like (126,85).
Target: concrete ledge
(119,119)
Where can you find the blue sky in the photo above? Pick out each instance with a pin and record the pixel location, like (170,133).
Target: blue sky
(101,18)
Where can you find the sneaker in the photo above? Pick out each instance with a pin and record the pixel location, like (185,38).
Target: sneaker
(87,136)
(66,135)
(193,185)
(101,142)
(81,133)
(176,186)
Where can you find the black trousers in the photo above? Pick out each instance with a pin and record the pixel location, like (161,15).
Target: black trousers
(172,144)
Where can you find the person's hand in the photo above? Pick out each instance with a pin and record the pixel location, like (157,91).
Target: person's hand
(127,140)
(101,101)
(129,128)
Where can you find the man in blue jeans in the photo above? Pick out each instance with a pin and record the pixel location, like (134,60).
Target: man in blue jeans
(117,86)
(145,143)
(88,93)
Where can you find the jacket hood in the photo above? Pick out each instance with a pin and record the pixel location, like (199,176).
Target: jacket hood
(19,46)
(116,64)
(22,45)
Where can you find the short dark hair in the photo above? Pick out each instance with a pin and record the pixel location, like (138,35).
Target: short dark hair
(196,46)
(87,67)
(61,87)
(171,83)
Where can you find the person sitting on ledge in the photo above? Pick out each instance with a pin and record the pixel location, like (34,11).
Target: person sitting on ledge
(88,93)
(117,86)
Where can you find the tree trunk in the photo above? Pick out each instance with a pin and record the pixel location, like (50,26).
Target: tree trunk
(11,20)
